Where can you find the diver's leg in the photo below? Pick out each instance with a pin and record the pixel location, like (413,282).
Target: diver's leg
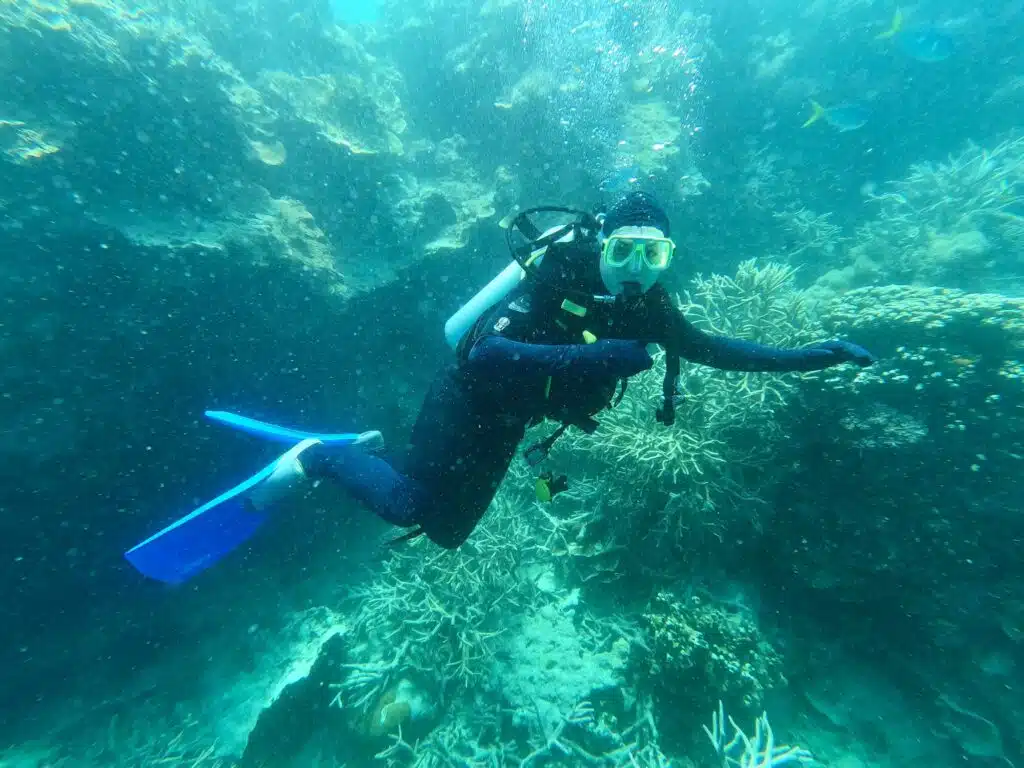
(477,472)
(404,498)
(459,452)
(392,496)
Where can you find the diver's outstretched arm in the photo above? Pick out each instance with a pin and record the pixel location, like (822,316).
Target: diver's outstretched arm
(509,359)
(731,354)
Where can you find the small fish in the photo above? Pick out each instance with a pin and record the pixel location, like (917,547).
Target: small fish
(922,42)
(842,117)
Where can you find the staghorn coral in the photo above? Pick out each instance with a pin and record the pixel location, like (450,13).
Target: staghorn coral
(959,223)
(589,734)
(760,302)
(813,237)
(148,737)
(441,610)
(761,751)
(513,651)
(725,426)
(551,659)
(700,653)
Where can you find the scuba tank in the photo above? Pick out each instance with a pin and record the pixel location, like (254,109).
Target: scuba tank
(467,315)
(525,260)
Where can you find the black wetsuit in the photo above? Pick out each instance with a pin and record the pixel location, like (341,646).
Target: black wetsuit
(478,408)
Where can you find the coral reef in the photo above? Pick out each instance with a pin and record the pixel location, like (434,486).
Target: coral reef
(328,103)
(439,613)
(588,734)
(444,204)
(153,739)
(197,200)
(761,750)
(812,237)
(686,477)
(949,386)
(958,224)
(518,668)
(212,135)
(700,652)
(546,662)
(917,458)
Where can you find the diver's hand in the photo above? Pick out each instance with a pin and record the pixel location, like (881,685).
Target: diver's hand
(847,352)
(619,357)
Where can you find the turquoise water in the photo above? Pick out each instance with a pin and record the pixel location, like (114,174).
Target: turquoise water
(355,11)
(272,207)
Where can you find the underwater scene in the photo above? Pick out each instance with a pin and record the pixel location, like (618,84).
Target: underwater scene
(317,443)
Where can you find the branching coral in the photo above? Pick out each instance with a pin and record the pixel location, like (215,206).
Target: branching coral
(766,183)
(494,629)
(959,193)
(144,739)
(742,751)
(813,235)
(725,425)
(585,735)
(437,613)
(959,223)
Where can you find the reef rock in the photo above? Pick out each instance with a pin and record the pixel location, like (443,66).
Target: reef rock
(897,510)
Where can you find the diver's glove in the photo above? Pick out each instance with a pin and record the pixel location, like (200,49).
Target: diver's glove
(615,357)
(846,352)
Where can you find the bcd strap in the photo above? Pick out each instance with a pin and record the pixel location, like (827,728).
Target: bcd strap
(527,227)
(535,240)
(539,451)
(667,413)
(623,385)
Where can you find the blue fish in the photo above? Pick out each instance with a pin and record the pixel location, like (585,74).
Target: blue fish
(921,42)
(842,117)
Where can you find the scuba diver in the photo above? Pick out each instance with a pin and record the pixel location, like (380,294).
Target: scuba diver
(553,337)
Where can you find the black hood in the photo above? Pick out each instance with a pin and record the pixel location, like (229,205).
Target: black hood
(637,209)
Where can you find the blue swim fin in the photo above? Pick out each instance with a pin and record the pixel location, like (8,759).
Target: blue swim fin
(201,538)
(366,440)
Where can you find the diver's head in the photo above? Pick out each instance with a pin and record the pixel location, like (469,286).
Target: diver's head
(635,248)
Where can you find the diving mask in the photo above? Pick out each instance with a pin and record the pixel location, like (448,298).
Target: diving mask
(634,257)
(655,252)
